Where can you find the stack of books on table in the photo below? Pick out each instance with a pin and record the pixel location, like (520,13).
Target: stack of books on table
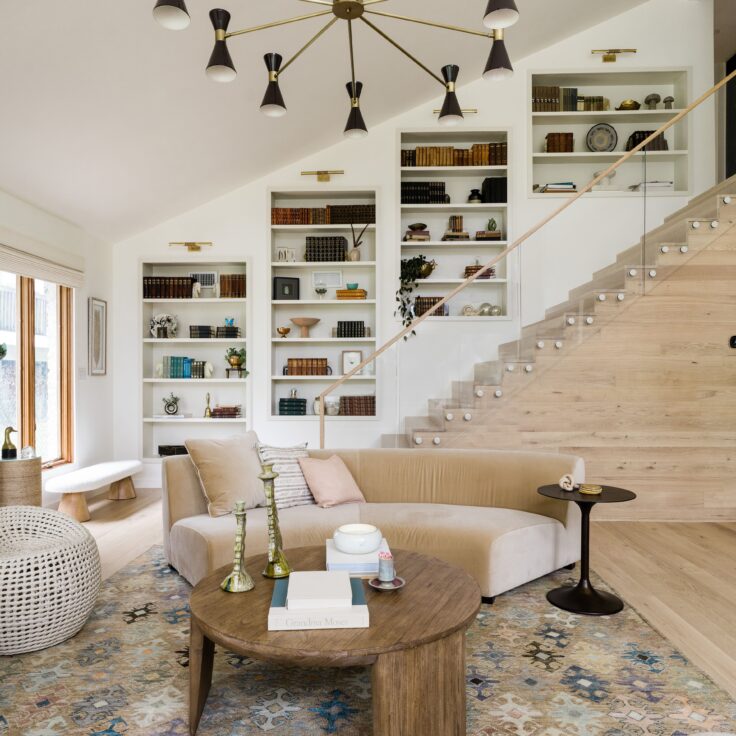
(355,565)
(318,600)
(559,187)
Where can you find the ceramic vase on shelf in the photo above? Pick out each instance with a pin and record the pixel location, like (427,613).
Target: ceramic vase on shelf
(277,566)
(353,254)
(239,581)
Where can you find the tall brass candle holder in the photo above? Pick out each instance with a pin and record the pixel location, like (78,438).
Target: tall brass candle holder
(277,566)
(239,581)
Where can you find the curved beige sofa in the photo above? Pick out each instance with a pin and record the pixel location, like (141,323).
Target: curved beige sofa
(478,509)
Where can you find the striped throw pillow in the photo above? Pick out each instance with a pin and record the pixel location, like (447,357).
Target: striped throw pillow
(290,488)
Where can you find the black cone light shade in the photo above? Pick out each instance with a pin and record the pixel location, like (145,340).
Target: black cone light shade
(499,65)
(356,127)
(500,14)
(171,14)
(451,113)
(220,67)
(273,103)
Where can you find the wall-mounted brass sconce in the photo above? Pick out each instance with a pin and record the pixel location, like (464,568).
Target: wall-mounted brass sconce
(611,55)
(323,175)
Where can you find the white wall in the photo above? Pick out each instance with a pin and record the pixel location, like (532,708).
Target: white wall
(28,228)
(668,33)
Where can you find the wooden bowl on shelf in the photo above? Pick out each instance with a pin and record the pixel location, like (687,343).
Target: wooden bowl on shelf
(304,324)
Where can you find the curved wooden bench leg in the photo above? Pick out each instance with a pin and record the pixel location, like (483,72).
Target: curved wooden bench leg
(122,490)
(75,505)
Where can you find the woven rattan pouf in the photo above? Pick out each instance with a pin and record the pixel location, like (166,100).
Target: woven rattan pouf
(49,578)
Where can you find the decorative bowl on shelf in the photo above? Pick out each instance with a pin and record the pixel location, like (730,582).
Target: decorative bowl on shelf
(304,324)
(352,286)
(357,539)
(283,331)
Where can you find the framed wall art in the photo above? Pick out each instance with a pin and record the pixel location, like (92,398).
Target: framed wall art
(97,336)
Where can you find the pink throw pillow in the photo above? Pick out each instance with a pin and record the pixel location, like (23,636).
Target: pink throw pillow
(330,481)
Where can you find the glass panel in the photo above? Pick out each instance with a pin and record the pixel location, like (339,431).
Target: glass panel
(9,371)
(48,385)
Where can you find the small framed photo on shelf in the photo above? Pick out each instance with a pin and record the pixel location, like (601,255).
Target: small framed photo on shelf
(329,279)
(285,288)
(351,359)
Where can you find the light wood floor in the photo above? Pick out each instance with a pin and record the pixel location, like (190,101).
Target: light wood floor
(680,576)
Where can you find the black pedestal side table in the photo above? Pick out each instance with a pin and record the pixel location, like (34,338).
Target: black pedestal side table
(584,598)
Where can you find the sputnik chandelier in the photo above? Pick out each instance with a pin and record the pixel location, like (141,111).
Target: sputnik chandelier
(499,15)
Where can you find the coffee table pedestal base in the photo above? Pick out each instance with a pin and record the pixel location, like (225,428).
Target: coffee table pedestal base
(421,690)
(585,599)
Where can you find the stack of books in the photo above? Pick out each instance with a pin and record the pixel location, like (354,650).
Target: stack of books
(351,328)
(351,294)
(489,274)
(357,406)
(167,287)
(318,600)
(363,566)
(559,142)
(307,367)
(228,332)
(488,235)
(201,332)
(422,192)
(298,216)
(227,412)
(423,304)
(421,236)
(292,407)
(232,286)
(560,187)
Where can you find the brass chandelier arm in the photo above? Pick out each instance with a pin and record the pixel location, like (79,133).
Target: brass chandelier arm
(420,21)
(276,23)
(403,50)
(318,2)
(352,54)
(307,45)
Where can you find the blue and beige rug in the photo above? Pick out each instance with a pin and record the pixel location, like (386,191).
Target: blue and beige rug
(532,670)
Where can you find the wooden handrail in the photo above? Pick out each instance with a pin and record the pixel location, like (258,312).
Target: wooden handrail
(509,249)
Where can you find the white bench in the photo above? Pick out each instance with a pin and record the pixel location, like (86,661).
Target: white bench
(74,485)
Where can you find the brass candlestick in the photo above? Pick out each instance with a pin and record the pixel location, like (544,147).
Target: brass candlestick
(239,581)
(208,411)
(277,566)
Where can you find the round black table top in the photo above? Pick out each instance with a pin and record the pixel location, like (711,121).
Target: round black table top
(610,494)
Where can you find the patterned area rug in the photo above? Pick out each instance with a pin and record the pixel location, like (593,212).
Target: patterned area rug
(532,669)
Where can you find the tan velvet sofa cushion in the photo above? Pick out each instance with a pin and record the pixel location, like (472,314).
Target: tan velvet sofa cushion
(228,471)
(330,481)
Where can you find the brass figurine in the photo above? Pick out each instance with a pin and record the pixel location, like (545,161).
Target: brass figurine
(10,451)
(277,566)
(239,581)
(208,411)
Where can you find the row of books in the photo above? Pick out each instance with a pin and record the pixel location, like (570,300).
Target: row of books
(423,192)
(174,366)
(357,406)
(423,304)
(227,412)
(351,328)
(566,99)
(470,270)
(351,294)
(232,286)
(322,249)
(479,154)
(658,144)
(208,332)
(559,143)
(167,287)
(331,214)
(307,367)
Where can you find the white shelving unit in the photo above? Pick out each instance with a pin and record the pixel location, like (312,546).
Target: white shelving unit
(581,165)
(453,256)
(211,310)
(321,343)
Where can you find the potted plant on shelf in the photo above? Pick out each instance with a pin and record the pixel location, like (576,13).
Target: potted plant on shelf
(354,252)
(413,270)
(236,357)
(3,350)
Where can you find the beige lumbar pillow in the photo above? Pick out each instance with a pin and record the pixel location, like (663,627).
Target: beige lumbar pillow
(228,472)
(330,481)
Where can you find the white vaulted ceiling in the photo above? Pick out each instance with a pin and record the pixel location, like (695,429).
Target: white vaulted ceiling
(109,121)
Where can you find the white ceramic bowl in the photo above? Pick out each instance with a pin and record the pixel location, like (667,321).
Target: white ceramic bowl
(357,539)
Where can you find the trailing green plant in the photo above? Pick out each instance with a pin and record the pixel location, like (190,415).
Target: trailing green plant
(413,270)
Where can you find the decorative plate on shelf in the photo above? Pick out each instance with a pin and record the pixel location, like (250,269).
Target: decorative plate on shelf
(601,138)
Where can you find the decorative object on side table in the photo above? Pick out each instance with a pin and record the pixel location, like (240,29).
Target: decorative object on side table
(10,451)
(305,324)
(239,581)
(285,288)
(97,336)
(567,483)
(171,405)
(276,566)
(163,326)
(387,579)
(583,598)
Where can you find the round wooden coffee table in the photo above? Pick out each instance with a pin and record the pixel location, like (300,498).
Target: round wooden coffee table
(415,643)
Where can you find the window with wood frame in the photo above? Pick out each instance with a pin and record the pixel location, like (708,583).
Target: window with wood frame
(37,374)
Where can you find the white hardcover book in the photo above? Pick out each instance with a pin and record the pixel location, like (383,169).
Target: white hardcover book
(280,618)
(318,589)
(365,564)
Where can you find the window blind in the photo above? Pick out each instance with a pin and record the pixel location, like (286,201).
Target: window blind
(37,267)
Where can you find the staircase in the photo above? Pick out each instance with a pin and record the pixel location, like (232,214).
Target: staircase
(633,372)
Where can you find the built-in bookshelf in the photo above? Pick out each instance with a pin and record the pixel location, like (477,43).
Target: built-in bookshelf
(211,317)
(438,170)
(557,102)
(310,242)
